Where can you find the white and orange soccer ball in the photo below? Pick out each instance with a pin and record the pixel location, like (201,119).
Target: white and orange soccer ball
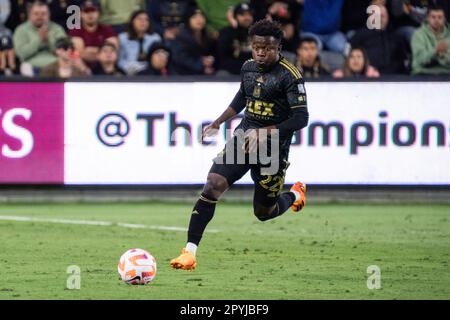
(137,266)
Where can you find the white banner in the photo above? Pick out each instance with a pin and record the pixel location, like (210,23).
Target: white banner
(368,133)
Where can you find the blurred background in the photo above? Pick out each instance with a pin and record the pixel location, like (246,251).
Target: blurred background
(341,38)
(113,93)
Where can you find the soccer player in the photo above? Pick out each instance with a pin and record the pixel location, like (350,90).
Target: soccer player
(273,94)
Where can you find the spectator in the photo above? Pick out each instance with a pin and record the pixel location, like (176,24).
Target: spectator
(286,9)
(286,12)
(357,65)
(68,63)
(308,59)
(321,19)
(159,61)
(92,34)
(216,12)
(116,13)
(18,13)
(136,42)
(408,16)
(167,16)
(193,48)
(8,60)
(107,61)
(431,44)
(386,50)
(34,40)
(234,47)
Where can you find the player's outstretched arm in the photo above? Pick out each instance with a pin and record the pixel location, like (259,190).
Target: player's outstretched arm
(236,106)
(213,127)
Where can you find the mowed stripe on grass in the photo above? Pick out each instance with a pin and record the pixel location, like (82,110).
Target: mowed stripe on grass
(97,223)
(322,253)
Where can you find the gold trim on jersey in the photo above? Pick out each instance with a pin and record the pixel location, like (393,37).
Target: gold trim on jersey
(292,69)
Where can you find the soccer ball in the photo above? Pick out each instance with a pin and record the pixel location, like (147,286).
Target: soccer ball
(137,266)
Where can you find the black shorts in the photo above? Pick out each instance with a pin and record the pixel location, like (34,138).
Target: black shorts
(269,181)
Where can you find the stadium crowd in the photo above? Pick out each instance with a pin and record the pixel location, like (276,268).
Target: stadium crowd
(323,38)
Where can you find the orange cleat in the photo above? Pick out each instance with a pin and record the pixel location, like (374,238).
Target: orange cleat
(185,261)
(299,188)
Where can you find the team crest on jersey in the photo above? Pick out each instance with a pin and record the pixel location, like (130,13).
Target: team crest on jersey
(257,90)
(258,87)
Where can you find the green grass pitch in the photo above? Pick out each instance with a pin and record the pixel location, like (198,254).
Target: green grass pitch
(323,253)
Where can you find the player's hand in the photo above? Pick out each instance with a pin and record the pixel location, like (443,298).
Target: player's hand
(211,130)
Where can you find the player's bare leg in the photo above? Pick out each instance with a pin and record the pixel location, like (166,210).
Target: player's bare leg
(202,214)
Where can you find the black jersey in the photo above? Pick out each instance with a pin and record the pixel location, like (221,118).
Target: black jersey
(270,96)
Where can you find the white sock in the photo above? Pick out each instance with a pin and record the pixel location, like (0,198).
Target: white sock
(191,247)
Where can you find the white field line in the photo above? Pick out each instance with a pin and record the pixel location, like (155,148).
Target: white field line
(97,223)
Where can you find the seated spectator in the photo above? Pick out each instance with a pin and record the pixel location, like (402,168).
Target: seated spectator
(68,63)
(116,13)
(216,12)
(265,8)
(7,56)
(357,65)
(107,61)
(308,59)
(18,13)
(167,16)
(8,61)
(321,19)
(234,44)
(159,61)
(431,44)
(193,48)
(386,50)
(135,43)
(286,12)
(34,41)
(92,34)
(408,16)
(445,5)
